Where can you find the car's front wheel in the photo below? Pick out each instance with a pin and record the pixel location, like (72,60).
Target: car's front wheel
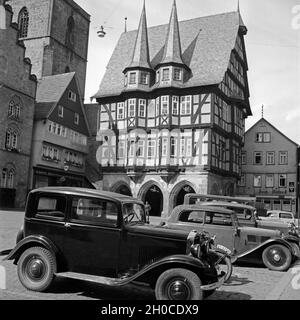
(178,284)
(277,257)
(36,268)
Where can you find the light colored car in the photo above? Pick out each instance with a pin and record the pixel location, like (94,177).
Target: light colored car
(283,216)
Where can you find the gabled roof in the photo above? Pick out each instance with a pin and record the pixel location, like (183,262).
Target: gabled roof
(140,57)
(206,44)
(172,49)
(268,123)
(49,91)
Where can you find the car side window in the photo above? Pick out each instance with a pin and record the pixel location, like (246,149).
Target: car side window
(51,207)
(218,219)
(192,216)
(93,210)
(285,216)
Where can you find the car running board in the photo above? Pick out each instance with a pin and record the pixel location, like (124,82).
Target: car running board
(95,279)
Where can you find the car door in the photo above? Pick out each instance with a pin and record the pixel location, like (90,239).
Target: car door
(221,225)
(93,236)
(46,216)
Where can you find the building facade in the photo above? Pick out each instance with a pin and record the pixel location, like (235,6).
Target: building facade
(269,167)
(172,106)
(60,134)
(17,96)
(55,33)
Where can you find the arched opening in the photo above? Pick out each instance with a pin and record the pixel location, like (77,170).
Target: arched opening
(23,23)
(229,189)
(154,197)
(179,198)
(67,69)
(215,189)
(70,32)
(123,189)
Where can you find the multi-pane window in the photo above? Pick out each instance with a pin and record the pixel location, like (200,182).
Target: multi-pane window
(282,181)
(23,23)
(121,111)
(14,109)
(144,78)
(50,153)
(165,105)
(76,118)
(151,148)
(175,105)
(283,157)
(269,181)
(131,108)
(267,137)
(142,108)
(60,111)
(140,148)
(270,157)
(244,157)
(257,181)
(258,157)
(164,149)
(173,147)
(121,149)
(263,137)
(7,178)
(78,138)
(11,139)
(132,78)
(72,96)
(131,148)
(177,74)
(186,105)
(165,74)
(74,158)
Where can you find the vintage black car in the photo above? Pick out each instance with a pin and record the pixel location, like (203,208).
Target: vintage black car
(102,237)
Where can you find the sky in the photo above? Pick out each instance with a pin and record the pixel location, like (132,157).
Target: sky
(272,47)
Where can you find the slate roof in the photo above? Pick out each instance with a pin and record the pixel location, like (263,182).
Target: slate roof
(140,56)
(206,44)
(49,91)
(172,49)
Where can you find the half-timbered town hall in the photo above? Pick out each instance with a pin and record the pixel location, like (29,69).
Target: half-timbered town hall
(171,110)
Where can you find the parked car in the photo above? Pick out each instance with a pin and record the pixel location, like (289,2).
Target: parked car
(247,214)
(281,216)
(247,244)
(103,237)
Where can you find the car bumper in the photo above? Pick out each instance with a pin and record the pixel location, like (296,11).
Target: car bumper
(215,285)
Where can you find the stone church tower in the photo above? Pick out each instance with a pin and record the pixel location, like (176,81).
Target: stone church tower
(55,33)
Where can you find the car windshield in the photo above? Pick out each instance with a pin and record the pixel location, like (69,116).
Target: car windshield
(134,212)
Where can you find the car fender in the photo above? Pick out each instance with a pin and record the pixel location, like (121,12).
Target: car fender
(265,244)
(31,241)
(174,261)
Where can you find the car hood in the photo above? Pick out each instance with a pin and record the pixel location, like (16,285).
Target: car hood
(261,231)
(158,231)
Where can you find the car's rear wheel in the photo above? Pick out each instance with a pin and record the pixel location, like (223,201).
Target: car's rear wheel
(277,257)
(36,268)
(178,284)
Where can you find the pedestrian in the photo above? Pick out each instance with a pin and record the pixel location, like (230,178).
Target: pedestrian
(147,209)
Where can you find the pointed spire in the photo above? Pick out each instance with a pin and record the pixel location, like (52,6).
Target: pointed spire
(172,51)
(238,7)
(140,56)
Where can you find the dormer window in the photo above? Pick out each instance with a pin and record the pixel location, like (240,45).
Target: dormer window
(76,118)
(72,96)
(144,78)
(132,78)
(177,74)
(165,74)
(60,111)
